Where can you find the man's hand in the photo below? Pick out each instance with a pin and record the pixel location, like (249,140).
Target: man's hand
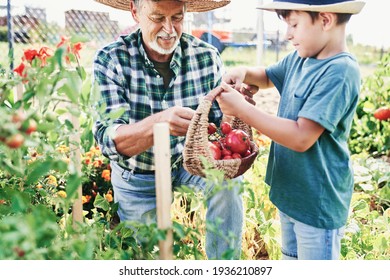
(178,118)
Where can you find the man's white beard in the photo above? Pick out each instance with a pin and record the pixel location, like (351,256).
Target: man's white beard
(155,46)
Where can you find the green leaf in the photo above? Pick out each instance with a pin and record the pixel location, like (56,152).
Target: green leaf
(68,92)
(73,183)
(101,202)
(58,56)
(46,127)
(39,169)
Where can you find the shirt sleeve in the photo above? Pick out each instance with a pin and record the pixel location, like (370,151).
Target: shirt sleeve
(277,73)
(109,86)
(331,98)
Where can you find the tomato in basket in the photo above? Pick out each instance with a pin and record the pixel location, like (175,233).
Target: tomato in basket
(238,141)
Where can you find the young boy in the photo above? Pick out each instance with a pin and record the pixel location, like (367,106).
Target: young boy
(309,168)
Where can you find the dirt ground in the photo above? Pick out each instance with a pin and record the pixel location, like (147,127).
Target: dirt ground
(267,100)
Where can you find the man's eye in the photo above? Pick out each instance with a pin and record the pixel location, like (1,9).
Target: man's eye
(177,19)
(157,19)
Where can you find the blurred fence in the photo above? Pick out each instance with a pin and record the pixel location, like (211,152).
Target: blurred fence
(32,29)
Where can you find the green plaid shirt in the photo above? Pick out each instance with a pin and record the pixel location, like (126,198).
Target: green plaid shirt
(128,81)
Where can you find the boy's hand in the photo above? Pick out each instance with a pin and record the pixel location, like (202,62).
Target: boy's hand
(235,77)
(230,100)
(248,91)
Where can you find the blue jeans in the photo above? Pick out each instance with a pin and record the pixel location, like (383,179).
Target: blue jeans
(136,197)
(303,242)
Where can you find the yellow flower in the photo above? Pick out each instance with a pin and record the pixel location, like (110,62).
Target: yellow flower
(95,151)
(51,180)
(85,198)
(61,194)
(63,149)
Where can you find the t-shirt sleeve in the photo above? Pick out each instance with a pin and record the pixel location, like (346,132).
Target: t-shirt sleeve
(330,99)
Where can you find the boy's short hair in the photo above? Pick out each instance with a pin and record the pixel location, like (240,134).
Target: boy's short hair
(341,18)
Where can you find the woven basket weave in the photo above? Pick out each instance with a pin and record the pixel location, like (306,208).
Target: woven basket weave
(196,145)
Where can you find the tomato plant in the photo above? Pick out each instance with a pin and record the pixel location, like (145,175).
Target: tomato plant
(369,134)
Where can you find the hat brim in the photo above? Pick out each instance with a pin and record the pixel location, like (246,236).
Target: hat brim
(349,7)
(192,5)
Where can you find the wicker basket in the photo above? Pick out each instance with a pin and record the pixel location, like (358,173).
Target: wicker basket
(196,144)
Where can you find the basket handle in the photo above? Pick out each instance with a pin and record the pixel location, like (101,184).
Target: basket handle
(236,122)
(212,95)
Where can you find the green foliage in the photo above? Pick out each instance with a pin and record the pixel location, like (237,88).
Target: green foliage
(367,233)
(3,34)
(39,181)
(369,134)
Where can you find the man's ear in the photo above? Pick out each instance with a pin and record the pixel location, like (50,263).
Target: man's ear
(328,20)
(134,11)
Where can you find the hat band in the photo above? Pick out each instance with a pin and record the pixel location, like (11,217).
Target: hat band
(310,2)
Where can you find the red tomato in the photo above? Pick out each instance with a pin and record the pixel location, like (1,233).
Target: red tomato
(15,141)
(215,151)
(222,142)
(226,128)
(212,128)
(236,155)
(227,157)
(382,114)
(18,117)
(216,143)
(226,152)
(31,127)
(238,141)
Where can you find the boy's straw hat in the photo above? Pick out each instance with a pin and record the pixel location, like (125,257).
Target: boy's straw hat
(333,6)
(192,5)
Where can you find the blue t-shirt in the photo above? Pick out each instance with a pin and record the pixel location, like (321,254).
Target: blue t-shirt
(315,187)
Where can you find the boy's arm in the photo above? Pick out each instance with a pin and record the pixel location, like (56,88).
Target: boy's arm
(258,77)
(297,135)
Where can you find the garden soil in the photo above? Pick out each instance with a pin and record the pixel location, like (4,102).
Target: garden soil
(267,100)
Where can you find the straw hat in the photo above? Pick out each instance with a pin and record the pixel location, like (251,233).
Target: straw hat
(192,5)
(333,6)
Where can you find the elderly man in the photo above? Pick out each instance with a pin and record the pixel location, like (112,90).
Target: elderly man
(157,74)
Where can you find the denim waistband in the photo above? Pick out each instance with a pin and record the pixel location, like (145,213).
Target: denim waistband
(132,171)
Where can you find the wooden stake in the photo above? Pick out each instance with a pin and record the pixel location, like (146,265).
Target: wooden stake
(77,209)
(18,92)
(163,186)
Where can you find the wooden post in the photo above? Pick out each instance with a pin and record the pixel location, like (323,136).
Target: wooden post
(77,209)
(260,34)
(18,92)
(163,186)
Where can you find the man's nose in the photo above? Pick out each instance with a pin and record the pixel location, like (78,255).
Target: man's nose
(168,26)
